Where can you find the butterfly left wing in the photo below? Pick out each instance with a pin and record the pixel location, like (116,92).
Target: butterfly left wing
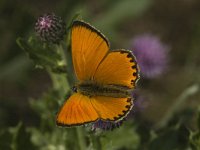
(77,110)
(118,68)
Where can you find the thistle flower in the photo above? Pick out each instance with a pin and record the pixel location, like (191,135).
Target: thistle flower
(151,55)
(140,101)
(106,125)
(50,28)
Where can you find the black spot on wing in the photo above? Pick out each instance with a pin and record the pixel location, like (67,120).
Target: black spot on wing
(134,65)
(129,99)
(134,74)
(115,118)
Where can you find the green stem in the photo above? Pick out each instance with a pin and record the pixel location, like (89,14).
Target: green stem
(15,131)
(60,81)
(81,138)
(97,143)
(62,52)
(95,140)
(67,52)
(177,105)
(66,82)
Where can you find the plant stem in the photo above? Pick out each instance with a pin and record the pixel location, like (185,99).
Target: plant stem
(81,138)
(97,143)
(62,83)
(59,82)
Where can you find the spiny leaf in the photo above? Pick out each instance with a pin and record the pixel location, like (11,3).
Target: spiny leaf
(44,55)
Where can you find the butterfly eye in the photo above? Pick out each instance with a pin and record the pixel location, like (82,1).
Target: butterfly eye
(74,89)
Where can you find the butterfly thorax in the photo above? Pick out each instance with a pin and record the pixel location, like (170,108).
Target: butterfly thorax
(93,89)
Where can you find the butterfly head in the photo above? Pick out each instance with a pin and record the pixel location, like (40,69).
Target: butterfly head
(74,88)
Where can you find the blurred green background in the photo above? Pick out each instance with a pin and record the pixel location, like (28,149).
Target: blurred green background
(175,22)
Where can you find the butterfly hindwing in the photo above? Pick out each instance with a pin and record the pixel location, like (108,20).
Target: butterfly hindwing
(110,108)
(80,109)
(77,110)
(118,68)
(89,47)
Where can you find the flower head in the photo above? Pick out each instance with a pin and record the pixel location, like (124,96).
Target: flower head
(141,102)
(106,125)
(50,28)
(151,55)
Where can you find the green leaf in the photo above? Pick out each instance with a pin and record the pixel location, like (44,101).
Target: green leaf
(44,55)
(56,139)
(123,138)
(176,138)
(21,138)
(5,139)
(198,119)
(15,138)
(195,140)
(46,108)
(195,135)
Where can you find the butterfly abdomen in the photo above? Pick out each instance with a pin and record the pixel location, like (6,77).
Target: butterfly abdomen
(94,89)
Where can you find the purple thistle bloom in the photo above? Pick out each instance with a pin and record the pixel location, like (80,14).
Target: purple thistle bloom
(106,125)
(140,101)
(50,28)
(151,55)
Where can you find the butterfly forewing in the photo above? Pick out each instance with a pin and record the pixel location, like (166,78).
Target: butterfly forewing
(118,68)
(89,47)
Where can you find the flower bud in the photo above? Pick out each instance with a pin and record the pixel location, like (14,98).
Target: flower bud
(50,28)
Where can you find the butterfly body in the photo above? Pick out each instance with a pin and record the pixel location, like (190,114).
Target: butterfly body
(105,77)
(91,88)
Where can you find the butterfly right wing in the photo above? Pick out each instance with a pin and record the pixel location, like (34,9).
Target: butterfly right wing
(110,108)
(118,68)
(77,110)
(89,47)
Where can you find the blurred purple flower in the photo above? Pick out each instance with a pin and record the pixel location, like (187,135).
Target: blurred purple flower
(50,28)
(106,125)
(140,101)
(140,104)
(151,55)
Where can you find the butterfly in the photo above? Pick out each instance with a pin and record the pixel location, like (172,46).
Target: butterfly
(105,77)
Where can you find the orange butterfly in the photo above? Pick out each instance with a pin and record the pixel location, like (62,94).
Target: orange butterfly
(105,79)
